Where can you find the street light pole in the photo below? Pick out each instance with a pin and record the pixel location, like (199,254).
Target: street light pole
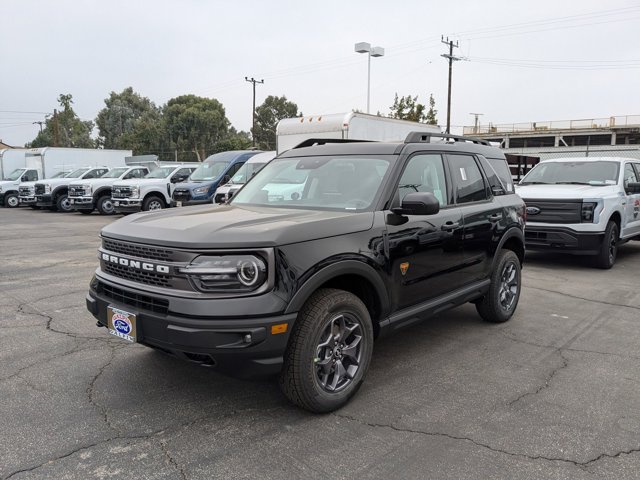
(364,47)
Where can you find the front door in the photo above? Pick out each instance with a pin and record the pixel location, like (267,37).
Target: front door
(631,221)
(425,251)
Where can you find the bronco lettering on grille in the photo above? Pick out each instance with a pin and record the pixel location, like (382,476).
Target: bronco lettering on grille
(136,264)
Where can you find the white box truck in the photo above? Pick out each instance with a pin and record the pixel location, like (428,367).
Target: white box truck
(349,126)
(47,162)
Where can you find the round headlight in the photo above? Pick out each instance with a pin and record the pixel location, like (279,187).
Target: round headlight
(248,272)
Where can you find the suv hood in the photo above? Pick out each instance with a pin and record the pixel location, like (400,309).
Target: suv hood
(55,182)
(565,192)
(230,226)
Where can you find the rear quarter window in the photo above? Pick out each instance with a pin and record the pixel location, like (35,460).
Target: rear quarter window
(498,167)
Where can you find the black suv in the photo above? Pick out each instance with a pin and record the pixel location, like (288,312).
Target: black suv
(329,246)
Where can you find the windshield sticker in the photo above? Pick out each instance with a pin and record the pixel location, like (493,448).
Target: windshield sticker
(463,174)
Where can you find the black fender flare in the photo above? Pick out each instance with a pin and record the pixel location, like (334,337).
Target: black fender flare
(58,191)
(510,233)
(100,192)
(343,267)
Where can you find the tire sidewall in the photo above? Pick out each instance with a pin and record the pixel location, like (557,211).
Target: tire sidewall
(9,198)
(151,199)
(100,205)
(508,258)
(60,201)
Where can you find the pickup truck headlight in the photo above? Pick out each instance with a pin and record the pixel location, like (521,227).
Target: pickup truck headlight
(47,188)
(87,189)
(200,190)
(588,211)
(135,191)
(227,273)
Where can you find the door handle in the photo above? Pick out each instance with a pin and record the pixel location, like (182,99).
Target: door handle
(450,226)
(495,218)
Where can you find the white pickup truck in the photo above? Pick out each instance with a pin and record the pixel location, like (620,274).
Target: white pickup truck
(584,206)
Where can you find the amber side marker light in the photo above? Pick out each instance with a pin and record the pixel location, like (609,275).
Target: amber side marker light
(279,328)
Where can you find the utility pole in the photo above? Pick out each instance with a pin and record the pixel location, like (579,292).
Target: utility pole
(56,129)
(451,60)
(475,126)
(38,123)
(253,128)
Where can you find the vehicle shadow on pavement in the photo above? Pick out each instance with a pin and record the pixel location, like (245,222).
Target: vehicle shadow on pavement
(626,252)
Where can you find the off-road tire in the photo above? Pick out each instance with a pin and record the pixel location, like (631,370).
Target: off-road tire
(609,248)
(103,205)
(299,378)
(498,305)
(150,201)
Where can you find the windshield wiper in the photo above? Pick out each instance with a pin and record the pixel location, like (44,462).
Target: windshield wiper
(411,185)
(573,183)
(535,183)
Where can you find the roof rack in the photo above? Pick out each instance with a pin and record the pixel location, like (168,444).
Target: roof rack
(322,141)
(417,137)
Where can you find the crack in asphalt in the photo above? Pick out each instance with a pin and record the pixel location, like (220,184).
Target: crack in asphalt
(582,465)
(602,302)
(172,461)
(547,382)
(91,390)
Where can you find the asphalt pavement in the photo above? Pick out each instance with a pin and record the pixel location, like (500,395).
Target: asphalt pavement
(553,393)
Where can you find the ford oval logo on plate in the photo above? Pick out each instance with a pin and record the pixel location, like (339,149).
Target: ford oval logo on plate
(533,210)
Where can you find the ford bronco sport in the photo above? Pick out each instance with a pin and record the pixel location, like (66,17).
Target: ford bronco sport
(382,235)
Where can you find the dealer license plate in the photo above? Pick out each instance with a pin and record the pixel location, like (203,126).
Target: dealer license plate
(178,203)
(121,324)
(72,201)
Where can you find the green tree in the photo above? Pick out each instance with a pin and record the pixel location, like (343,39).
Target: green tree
(233,141)
(408,108)
(64,128)
(195,123)
(431,116)
(126,116)
(272,110)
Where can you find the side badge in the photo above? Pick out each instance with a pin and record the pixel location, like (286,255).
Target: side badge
(404,267)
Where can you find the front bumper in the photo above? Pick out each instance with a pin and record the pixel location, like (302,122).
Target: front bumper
(81,203)
(186,203)
(563,239)
(28,201)
(213,341)
(127,205)
(44,200)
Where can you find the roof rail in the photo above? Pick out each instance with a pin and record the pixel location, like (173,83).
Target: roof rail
(416,137)
(322,141)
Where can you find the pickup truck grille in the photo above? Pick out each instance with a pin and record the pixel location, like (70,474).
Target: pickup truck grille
(121,192)
(136,250)
(39,189)
(76,191)
(554,211)
(182,195)
(26,191)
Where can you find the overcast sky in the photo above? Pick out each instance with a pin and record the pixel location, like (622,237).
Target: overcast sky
(523,61)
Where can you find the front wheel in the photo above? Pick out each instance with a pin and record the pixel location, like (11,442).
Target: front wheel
(152,203)
(11,200)
(329,351)
(105,205)
(609,248)
(501,300)
(62,203)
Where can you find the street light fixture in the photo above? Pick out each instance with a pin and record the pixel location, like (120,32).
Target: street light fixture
(364,47)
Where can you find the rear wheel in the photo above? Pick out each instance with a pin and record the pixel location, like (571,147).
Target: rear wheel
(329,351)
(11,200)
(609,248)
(152,203)
(105,205)
(501,300)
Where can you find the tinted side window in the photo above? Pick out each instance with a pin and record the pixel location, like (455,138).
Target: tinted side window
(500,168)
(137,173)
(637,167)
(629,175)
(232,171)
(424,173)
(468,184)
(30,176)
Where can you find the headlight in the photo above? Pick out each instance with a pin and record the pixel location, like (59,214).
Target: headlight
(87,188)
(228,273)
(47,188)
(135,191)
(200,190)
(587,213)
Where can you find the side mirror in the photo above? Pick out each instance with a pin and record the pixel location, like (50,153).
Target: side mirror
(179,178)
(226,179)
(633,188)
(418,203)
(497,190)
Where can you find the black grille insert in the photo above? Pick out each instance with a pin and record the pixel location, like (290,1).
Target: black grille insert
(39,189)
(150,278)
(138,301)
(136,250)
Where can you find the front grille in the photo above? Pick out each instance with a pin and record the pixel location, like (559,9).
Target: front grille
(76,191)
(121,192)
(140,276)
(26,191)
(555,211)
(220,198)
(39,189)
(182,195)
(135,250)
(135,300)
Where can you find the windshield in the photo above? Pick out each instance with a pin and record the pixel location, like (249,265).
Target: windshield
(209,171)
(77,173)
(327,183)
(580,173)
(246,172)
(60,175)
(15,175)
(162,172)
(115,173)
